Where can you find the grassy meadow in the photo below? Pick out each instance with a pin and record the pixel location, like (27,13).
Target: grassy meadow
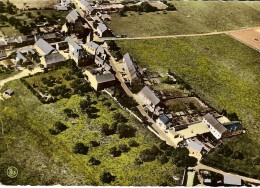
(190,17)
(45,159)
(225,74)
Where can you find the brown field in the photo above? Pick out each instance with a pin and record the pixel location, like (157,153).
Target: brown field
(249,37)
(34,3)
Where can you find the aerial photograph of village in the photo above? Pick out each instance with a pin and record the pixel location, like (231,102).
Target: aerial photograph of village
(130,93)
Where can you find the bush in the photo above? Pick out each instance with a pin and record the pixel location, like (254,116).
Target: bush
(149,154)
(94,161)
(80,148)
(124,148)
(58,128)
(126,131)
(108,130)
(119,118)
(133,143)
(225,150)
(163,159)
(94,143)
(138,161)
(237,155)
(115,152)
(106,177)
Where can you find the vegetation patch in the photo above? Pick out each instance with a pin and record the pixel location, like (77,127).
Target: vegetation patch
(190,17)
(223,72)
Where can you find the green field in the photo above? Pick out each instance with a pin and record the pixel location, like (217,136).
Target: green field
(45,159)
(190,17)
(224,72)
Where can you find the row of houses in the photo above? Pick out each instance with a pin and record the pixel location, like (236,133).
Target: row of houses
(21,41)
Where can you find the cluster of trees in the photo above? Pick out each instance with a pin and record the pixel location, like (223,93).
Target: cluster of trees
(58,127)
(87,108)
(232,116)
(226,151)
(124,130)
(117,151)
(164,153)
(8,7)
(70,113)
(143,7)
(124,99)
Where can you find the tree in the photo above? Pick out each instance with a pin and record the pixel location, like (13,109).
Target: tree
(119,118)
(124,148)
(115,152)
(106,177)
(225,150)
(112,45)
(149,154)
(163,159)
(126,131)
(256,160)
(85,104)
(138,161)
(94,143)
(94,161)
(58,128)
(133,143)
(80,148)
(237,155)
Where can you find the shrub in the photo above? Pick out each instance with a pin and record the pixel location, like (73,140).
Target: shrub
(126,131)
(133,143)
(80,148)
(106,177)
(115,152)
(58,128)
(124,148)
(94,161)
(94,143)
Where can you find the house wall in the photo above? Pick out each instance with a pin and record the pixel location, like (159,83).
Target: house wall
(161,124)
(194,153)
(213,131)
(92,79)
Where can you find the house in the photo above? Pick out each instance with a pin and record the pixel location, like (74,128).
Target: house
(25,40)
(85,7)
(78,53)
(148,98)
(9,92)
(50,37)
(104,31)
(100,80)
(3,54)
(52,60)
(60,8)
(231,180)
(195,149)
(43,47)
(73,16)
(65,3)
(215,127)
(95,49)
(20,59)
(3,44)
(7,63)
(164,122)
(26,50)
(130,69)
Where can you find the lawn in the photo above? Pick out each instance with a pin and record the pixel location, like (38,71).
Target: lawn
(222,71)
(45,159)
(190,17)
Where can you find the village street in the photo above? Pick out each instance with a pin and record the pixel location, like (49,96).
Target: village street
(204,167)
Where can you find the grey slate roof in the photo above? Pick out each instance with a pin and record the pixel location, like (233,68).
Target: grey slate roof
(54,58)
(105,78)
(73,43)
(9,92)
(232,180)
(92,45)
(20,56)
(44,46)
(72,16)
(26,50)
(150,95)
(215,123)
(102,27)
(129,65)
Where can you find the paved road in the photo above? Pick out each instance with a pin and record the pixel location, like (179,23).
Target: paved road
(202,166)
(185,35)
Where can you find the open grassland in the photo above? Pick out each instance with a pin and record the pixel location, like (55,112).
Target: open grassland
(45,159)
(34,3)
(190,17)
(224,72)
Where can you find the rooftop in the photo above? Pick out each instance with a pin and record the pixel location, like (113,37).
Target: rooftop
(215,123)
(148,93)
(44,46)
(54,58)
(232,180)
